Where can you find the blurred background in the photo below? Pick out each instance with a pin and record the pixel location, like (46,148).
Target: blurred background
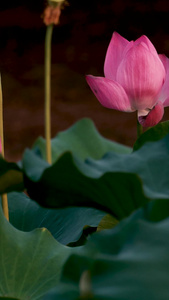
(79,46)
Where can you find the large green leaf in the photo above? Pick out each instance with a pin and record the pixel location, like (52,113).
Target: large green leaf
(66,225)
(70,183)
(30,263)
(117,183)
(130,261)
(83,140)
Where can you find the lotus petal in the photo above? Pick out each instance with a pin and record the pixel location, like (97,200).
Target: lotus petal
(109,93)
(142,75)
(114,55)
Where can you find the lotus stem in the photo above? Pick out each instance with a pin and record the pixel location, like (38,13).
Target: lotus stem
(139,129)
(4,196)
(48,40)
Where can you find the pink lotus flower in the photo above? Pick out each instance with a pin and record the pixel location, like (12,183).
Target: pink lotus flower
(136,79)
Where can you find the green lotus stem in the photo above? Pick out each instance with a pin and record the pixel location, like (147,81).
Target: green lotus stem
(139,129)
(48,40)
(4,196)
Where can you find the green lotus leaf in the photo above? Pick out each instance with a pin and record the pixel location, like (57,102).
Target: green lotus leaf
(83,140)
(30,262)
(117,183)
(70,183)
(129,261)
(66,225)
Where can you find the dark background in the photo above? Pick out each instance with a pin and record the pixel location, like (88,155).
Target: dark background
(79,46)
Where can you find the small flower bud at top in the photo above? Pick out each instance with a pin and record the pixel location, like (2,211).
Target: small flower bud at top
(51,15)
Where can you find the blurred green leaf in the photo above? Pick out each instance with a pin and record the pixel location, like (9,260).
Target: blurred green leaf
(30,263)
(83,140)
